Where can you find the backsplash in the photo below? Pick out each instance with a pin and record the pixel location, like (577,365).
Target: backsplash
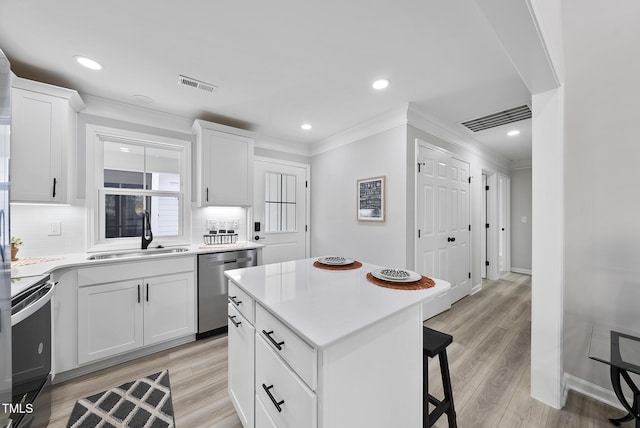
(222,215)
(34,224)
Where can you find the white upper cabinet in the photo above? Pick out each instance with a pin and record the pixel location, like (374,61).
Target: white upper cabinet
(224,159)
(43,141)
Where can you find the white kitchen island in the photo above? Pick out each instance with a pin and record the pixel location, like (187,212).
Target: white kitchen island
(310,347)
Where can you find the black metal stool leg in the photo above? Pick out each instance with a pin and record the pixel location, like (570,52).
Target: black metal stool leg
(448,392)
(425,391)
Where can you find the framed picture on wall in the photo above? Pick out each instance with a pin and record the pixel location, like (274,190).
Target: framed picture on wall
(371,199)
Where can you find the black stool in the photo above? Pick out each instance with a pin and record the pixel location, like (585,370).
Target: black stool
(435,343)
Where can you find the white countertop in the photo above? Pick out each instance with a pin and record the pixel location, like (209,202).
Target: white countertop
(325,306)
(80,259)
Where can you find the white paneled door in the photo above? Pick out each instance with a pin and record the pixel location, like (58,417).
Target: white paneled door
(443,249)
(280,209)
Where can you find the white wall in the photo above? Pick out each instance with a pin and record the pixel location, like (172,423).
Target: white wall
(334,226)
(602,232)
(521,231)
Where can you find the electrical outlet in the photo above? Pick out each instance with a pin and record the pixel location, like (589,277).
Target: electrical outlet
(55,228)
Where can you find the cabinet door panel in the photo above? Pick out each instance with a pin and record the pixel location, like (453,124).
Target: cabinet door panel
(169,307)
(241,370)
(109,320)
(225,168)
(38,125)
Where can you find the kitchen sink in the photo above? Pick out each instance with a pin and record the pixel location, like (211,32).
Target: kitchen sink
(137,253)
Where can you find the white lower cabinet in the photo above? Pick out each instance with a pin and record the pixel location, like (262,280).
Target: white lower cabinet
(241,368)
(109,320)
(169,309)
(122,316)
(288,401)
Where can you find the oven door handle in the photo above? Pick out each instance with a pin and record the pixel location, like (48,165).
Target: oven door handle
(33,307)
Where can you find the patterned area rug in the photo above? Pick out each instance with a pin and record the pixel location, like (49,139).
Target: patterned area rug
(144,402)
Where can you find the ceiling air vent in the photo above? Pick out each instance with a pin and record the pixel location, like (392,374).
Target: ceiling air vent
(497,119)
(194,83)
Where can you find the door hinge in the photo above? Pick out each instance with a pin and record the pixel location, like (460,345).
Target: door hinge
(486,263)
(469,274)
(486,225)
(486,187)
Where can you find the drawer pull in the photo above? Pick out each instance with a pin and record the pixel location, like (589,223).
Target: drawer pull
(273,400)
(271,339)
(232,318)
(235,301)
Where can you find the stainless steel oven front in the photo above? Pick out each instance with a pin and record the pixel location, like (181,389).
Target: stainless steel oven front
(31,353)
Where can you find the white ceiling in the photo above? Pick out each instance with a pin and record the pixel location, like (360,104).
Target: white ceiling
(277,64)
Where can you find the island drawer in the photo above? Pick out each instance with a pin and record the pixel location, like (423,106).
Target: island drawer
(241,301)
(287,400)
(263,420)
(302,358)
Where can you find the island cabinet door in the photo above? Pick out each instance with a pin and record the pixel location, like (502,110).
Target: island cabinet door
(169,307)
(109,319)
(241,368)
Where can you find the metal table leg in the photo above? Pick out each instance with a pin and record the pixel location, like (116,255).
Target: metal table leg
(634,410)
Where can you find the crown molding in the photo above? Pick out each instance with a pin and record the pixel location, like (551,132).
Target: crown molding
(521,164)
(375,125)
(272,143)
(105,107)
(429,124)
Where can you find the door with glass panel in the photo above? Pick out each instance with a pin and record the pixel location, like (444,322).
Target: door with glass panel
(280,210)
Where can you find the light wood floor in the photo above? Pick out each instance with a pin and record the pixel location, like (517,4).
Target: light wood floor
(489,363)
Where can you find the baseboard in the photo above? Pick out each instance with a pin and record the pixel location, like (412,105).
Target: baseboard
(112,361)
(475,289)
(523,271)
(591,390)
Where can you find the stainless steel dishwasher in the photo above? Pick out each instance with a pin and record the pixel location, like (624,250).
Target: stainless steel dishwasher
(212,288)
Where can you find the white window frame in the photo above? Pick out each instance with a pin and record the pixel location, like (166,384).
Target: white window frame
(96,137)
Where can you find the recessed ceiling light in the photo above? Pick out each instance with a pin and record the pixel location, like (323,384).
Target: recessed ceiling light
(513,133)
(381,84)
(306,126)
(88,62)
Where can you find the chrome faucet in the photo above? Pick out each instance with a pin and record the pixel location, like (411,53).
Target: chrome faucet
(147,235)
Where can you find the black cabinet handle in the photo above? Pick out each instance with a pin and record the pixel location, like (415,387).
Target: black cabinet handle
(451,239)
(232,318)
(138,293)
(276,344)
(207,194)
(147,291)
(55,181)
(273,400)
(235,301)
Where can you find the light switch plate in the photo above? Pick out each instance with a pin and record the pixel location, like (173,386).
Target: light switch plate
(55,228)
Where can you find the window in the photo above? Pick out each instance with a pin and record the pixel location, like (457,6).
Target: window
(137,174)
(280,202)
